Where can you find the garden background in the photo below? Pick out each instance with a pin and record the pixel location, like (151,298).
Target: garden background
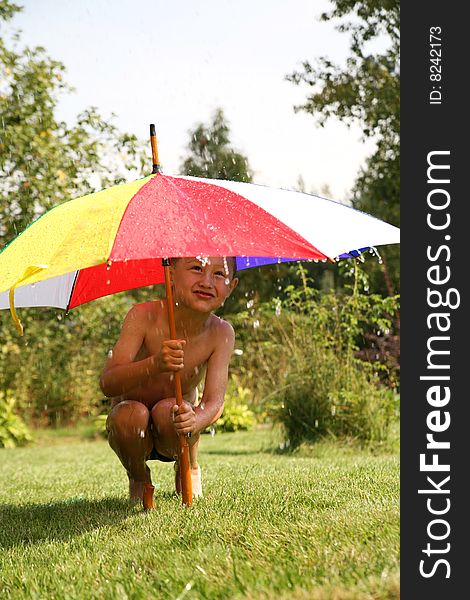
(314,380)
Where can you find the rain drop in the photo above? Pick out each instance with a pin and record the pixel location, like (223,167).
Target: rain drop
(255,324)
(226,271)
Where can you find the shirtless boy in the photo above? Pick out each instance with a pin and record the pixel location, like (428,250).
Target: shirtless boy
(145,421)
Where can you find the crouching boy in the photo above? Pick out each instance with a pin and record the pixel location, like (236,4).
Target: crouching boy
(145,421)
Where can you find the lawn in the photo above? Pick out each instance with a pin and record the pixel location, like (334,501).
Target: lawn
(319,524)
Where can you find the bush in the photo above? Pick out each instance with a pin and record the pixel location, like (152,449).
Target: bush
(300,360)
(236,416)
(13,432)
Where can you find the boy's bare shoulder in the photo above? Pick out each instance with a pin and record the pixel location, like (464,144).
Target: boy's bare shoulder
(147,310)
(222,329)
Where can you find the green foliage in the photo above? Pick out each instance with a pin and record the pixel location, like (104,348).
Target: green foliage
(54,369)
(236,416)
(13,432)
(43,161)
(300,360)
(210,153)
(365,91)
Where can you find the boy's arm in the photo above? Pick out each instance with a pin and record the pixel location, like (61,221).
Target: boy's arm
(120,374)
(212,404)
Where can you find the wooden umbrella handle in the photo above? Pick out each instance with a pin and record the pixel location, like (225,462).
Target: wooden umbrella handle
(153,143)
(183,446)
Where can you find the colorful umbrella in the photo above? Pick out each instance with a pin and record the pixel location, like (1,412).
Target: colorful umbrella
(110,241)
(115,240)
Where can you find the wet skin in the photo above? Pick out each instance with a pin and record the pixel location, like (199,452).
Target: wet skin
(139,373)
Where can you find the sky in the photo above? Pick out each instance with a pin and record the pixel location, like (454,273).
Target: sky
(173,63)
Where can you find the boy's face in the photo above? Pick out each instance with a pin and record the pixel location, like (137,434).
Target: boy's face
(203,287)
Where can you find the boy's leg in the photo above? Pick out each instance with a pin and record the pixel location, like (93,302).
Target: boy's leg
(129,437)
(165,441)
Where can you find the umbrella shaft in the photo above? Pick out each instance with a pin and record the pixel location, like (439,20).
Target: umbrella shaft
(171,323)
(183,459)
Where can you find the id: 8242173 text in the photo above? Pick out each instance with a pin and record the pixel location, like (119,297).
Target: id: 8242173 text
(435,66)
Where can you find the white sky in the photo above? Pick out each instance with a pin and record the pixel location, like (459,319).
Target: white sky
(173,62)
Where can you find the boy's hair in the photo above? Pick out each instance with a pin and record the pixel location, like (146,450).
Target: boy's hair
(231,262)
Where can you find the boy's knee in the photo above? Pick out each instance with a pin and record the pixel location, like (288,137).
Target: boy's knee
(127,415)
(162,410)
(162,418)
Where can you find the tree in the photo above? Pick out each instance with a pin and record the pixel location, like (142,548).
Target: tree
(210,153)
(43,161)
(52,372)
(366,91)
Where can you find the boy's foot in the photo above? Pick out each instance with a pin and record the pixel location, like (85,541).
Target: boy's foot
(136,490)
(195,481)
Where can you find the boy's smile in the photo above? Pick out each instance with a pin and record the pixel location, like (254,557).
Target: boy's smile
(202,285)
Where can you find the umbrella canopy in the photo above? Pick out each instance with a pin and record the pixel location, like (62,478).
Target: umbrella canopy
(107,242)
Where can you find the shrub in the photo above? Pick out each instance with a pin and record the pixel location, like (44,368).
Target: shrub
(236,416)
(300,360)
(13,432)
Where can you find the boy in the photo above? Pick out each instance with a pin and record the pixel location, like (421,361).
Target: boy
(144,422)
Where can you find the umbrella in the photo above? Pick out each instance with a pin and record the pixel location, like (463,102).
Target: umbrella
(115,239)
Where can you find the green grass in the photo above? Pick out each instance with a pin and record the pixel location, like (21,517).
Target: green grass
(322,524)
